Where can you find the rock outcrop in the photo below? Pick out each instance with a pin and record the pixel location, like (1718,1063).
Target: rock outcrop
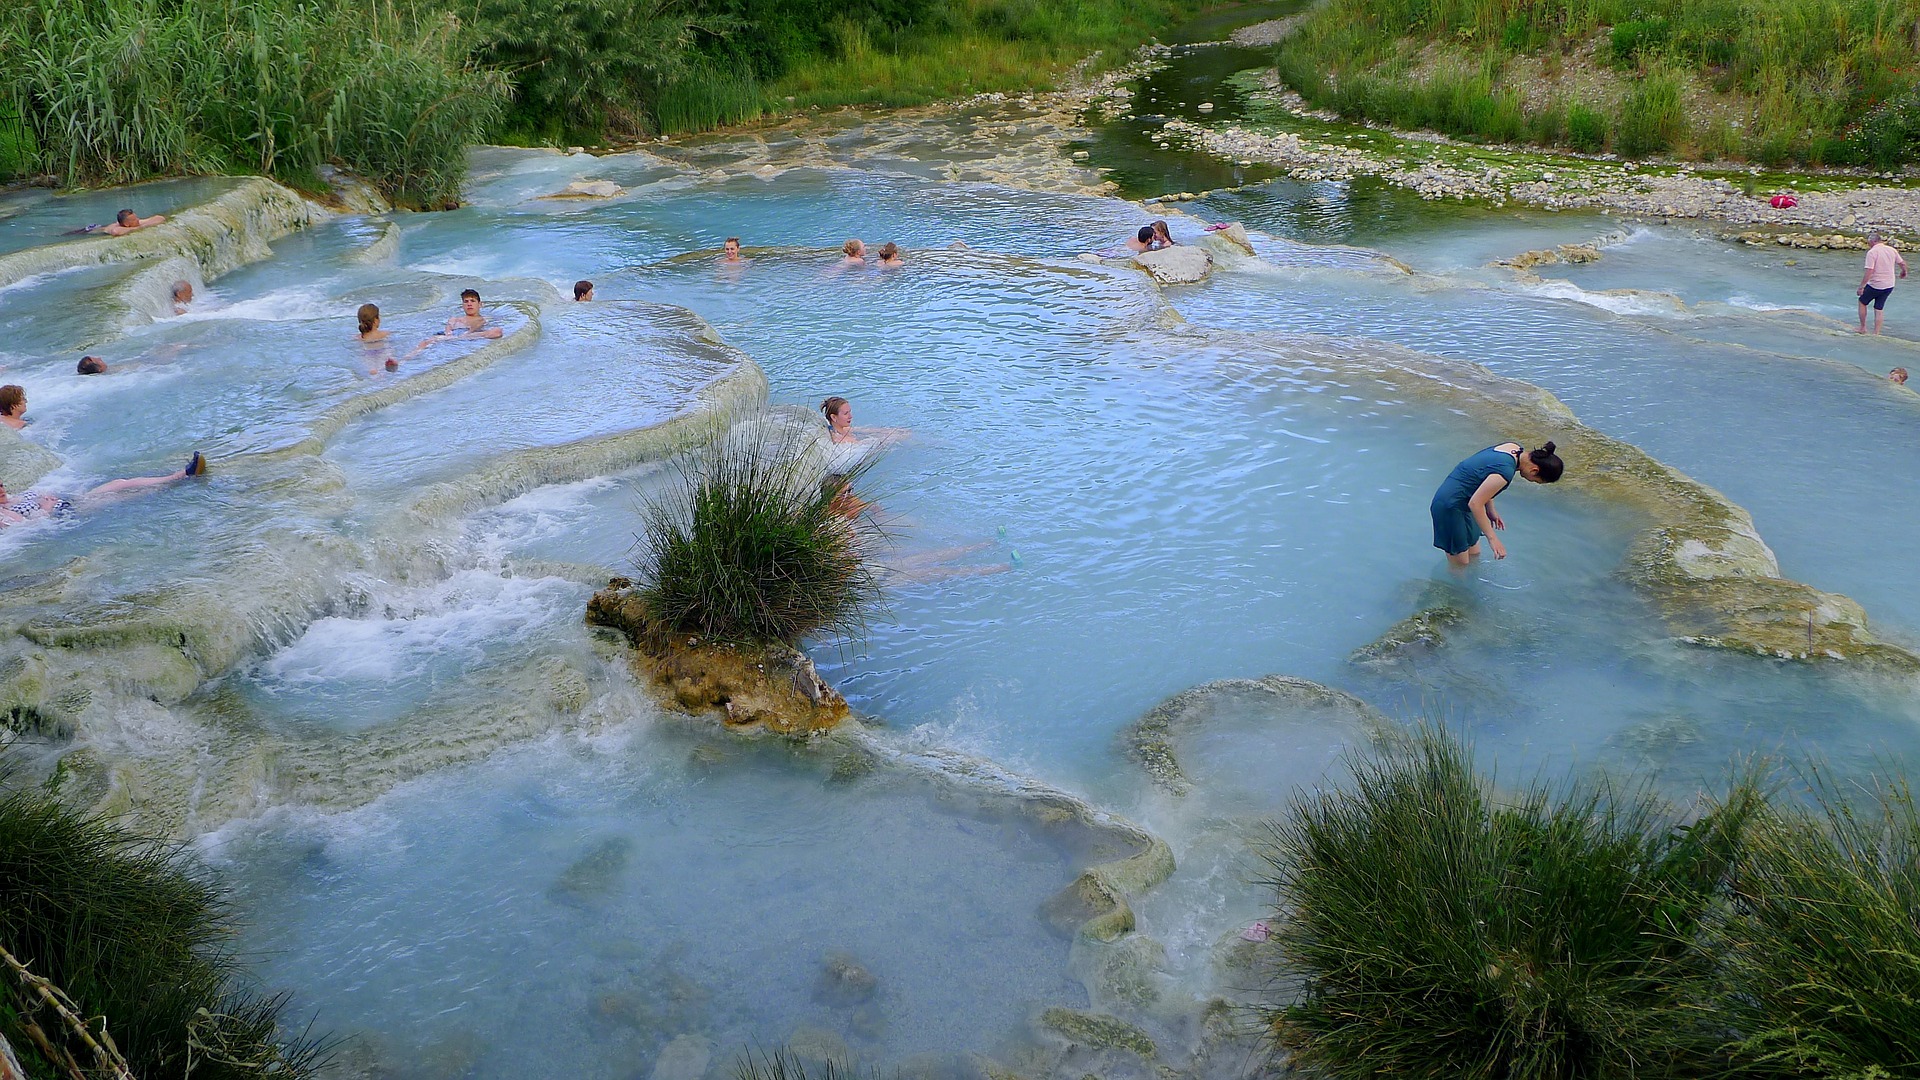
(1182,264)
(772,685)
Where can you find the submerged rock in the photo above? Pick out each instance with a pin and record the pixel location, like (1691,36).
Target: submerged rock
(588,189)
(1150,739)
(685,1058)
(1441,609)
(1098,1030)
(772,685)
(844,981)
(1180,265)
(591,878)
(22,461)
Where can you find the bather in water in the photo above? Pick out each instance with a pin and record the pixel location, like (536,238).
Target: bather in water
(1463,506)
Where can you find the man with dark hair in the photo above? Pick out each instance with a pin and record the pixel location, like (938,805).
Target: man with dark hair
(468,324)
(91,365)
(583,290)
(127,221)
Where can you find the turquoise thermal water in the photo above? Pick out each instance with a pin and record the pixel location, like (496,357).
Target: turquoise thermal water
(1096,507)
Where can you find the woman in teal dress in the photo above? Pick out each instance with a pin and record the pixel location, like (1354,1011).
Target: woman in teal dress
(1463,507)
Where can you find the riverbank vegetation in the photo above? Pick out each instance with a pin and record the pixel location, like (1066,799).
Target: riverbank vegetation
(116,951)
(121,90)
(1435,927)
(1816,82)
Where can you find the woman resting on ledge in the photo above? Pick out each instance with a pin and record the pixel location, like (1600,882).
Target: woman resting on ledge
(34,505)
(1463,507)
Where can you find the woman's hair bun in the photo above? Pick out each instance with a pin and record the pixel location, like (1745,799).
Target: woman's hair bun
(1548,448)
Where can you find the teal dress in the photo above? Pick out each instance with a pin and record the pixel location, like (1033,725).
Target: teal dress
(1454,530)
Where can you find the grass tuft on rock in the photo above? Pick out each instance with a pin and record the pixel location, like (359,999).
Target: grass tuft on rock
(749,547)
(1436,929)
(138,938)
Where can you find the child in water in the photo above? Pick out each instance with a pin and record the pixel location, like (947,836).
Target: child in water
(1463,506)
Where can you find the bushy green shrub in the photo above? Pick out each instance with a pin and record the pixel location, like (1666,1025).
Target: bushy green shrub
(1822,952)
(584,66)
(133,933)
(1630,41)
(1889,135)
(1436,929)
(747,547)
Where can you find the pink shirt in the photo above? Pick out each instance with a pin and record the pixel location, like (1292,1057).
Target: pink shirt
(1881,260)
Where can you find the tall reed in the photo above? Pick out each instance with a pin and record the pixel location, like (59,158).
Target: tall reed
(119,90)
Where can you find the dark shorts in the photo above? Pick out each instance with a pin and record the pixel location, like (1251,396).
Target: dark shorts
(1876,297)
(1454,530)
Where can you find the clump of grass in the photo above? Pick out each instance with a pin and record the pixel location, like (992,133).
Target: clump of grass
(120,90)
(132,933)
(1651,117)
(1436,929)
(1822,951)
(705,98)
(748,547)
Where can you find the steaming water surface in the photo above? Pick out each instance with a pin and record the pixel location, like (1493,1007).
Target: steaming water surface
(1098,505)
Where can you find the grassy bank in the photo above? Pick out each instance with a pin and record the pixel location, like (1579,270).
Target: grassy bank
(1802,81)
(1435,926)
(123,958)
(121,90)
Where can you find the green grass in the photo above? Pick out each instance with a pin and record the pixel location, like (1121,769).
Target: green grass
(1808,81)
(120,90)
(1432,925)
(1438,929)
(1822,954)
(746,548)
(973,46)
(136,934)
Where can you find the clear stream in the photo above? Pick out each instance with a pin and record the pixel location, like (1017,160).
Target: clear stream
(1106,507)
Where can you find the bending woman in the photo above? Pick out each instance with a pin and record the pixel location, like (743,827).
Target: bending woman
(1463,507)
(34,504)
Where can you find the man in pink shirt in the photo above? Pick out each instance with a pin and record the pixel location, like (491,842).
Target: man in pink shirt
(1876,283)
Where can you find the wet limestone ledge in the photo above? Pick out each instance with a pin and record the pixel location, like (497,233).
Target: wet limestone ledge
(1698,557)
(1151,740)
(219,235)
(773,686)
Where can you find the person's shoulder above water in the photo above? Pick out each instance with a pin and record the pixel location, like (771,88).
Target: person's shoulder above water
(127,221)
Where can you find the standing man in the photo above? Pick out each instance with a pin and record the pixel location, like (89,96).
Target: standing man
(1876,283)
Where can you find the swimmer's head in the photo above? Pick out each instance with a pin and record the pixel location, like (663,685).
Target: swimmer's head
(732,247)
(1145,235)
(1542,466)
(583,290)
(369,317)
(1898,376)
(91,365)
(13,399)
(470,301)
(834,406)
(183,291)
(889,250)
(127,219)
(853,248)
(1160,231)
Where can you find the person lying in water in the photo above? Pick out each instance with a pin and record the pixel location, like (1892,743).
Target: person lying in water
(35,505)
(127,221)
(937,565)
(1463,506)
(465,326)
